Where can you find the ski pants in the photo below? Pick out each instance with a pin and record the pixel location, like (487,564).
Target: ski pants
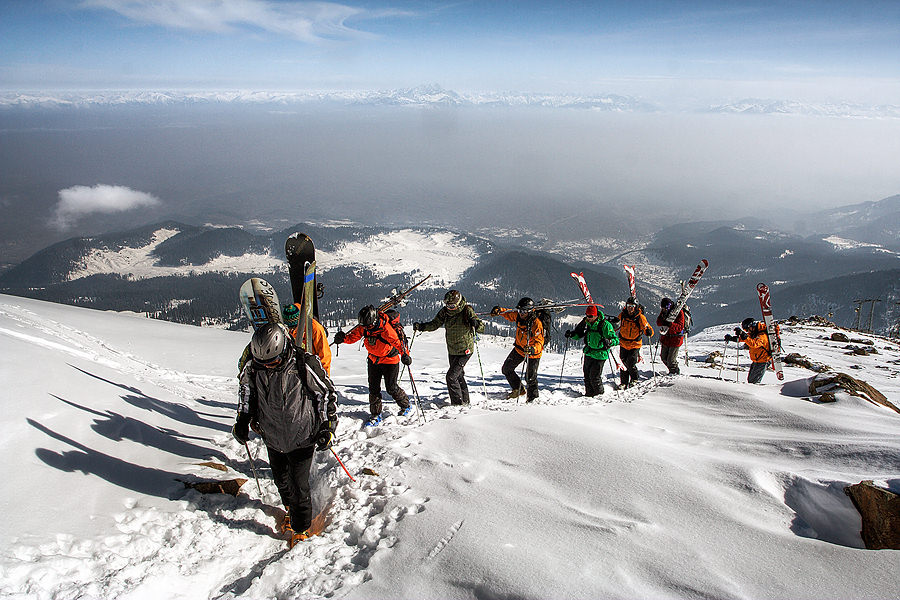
(669,356)
(389,373)
(512,363)
(757,370)
(630,360)
(456,379)
(593,376)
(291,474)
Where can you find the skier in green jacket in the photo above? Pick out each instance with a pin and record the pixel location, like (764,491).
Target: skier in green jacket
(461,325)
(599,336)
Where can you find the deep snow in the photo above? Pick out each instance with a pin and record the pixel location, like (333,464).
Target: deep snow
(689,486)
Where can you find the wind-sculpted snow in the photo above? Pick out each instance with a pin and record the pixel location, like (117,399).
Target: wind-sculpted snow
(691,486)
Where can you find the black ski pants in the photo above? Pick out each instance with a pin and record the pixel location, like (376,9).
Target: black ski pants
(389,373)
(511,364)
(456,379)
(629,360)
(757,370)
(593,376)
(291,474)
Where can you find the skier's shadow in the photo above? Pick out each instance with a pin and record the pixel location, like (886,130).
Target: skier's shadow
(148,481)
(176,412)
(117,427)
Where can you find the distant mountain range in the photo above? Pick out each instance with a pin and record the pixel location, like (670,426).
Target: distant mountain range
(191,274)
(435,95)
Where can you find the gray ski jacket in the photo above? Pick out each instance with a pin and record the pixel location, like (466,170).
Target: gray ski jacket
(289,403)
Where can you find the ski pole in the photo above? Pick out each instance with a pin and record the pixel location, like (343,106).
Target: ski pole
(340,462)
(408,350)
(415,390)
(612,371)
(654,355)
(253,467)
(652,359)
(563,367)
(737,360)
(481,367)
(724,356)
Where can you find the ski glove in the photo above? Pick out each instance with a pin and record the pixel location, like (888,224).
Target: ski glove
(496,311)
(648,332)
(241,431)
(417,327)
(529,350)
(339,337)
(568,333)
(324,439)
(731,338)
(406,359)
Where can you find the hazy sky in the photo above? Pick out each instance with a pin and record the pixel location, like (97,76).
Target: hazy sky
(815,50)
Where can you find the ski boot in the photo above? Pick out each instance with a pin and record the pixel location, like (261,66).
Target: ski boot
(516,393)
(296,537)
(374,421)
(285,525)
(406,411)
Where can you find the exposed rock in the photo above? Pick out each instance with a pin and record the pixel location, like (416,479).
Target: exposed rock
(862,341)
(226,486)
(833,382)
(814,320)
(213,465)
(713,357)
(861,350)
(801,361)
(880,511)
(837,336)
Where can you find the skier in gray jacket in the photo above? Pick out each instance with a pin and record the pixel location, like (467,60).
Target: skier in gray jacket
(290,401)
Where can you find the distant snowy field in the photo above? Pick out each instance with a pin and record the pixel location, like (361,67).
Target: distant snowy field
(692,486)
(444,254)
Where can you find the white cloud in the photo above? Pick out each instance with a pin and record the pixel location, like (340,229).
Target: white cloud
(81,200)
(306,21)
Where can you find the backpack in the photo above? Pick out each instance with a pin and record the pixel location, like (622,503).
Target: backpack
(688,319)
(547,321)
(394,320)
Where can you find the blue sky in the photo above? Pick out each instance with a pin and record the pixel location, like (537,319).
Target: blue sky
(828,50)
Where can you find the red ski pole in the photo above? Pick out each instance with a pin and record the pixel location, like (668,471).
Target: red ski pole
(342,464)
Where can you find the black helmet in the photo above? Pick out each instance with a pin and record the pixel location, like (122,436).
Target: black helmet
(269,342)
(632,301)
(368,316)
(666,304)
(747,323)
(452,299)
(526,304)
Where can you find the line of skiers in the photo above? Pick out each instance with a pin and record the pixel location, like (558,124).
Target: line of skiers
(287,397)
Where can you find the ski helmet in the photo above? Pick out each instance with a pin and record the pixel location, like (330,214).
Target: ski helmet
(290,314)
(747,323)
(452,299)
(269,342)
(590,311)
(526,304)
(666,304)
(368,316)
(632,301)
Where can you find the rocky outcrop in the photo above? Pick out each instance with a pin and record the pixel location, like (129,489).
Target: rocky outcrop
(802,361)
(226,486)
(880,511)
(827,384)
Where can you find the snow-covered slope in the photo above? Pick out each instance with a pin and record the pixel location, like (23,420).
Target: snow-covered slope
(692,486)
